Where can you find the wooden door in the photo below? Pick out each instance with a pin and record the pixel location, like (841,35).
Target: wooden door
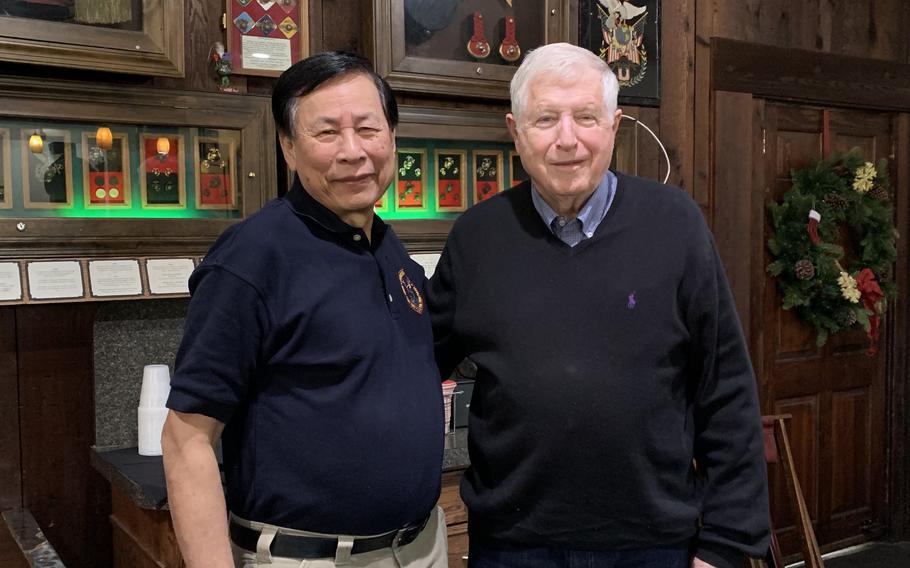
(836,394)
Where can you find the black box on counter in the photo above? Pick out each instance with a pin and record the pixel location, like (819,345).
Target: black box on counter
(461,402)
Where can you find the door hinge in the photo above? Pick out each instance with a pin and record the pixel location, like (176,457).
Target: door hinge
(764,142)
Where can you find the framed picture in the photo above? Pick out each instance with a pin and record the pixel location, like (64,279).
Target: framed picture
(6,171)
(625,34)
(215,159)
(162,171)
(451,180)
(487,175)
(517,173)
(410,180)
(105,172)
(47,175)
(266,37)
(142,37)
(382,206)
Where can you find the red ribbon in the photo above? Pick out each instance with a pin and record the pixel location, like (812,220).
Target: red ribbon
(870,294)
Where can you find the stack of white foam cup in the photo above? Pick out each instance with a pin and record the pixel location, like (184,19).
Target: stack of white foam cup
(156,386)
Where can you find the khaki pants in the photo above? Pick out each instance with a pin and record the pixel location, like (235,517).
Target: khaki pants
(428,550)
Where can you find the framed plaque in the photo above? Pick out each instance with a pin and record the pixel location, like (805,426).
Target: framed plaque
(266,37)
(47,175)
(105,172)
(487,175)
(382,206)
(410,180)
(216,172)
(626,36)
(6,171)
(114,278)
(162,171)
(10,282)
(517,173)
(55,280)
(451,180)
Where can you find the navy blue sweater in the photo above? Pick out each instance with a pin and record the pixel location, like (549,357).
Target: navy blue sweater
(603,370)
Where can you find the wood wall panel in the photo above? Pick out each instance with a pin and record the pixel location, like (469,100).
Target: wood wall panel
(10,458)
(68,499)
(850,447)
(677,86)
(732,206)
(872,28)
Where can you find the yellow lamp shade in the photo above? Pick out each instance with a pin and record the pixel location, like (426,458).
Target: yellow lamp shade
(163,146)
(104,138)
(36,143)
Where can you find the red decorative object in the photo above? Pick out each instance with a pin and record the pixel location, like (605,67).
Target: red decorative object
(478,46)
(870,295)
(812,227)
(509,49)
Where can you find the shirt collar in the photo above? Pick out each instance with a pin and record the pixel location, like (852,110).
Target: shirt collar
(592,212)
(307,206)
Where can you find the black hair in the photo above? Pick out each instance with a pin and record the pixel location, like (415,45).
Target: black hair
(306,75)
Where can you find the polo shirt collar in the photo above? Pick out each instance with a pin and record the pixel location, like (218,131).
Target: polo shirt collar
(591,213)
(307,206)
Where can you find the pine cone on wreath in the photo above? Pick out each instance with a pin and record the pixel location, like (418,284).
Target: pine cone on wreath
(836,202)
(847,318)
(880,193)
(804,269)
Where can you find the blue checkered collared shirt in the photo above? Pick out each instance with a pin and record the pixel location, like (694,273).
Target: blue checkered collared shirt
(573,231)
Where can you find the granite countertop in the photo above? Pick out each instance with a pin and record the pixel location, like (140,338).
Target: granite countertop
(141,478)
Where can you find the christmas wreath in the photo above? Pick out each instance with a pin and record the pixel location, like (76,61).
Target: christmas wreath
(846,200)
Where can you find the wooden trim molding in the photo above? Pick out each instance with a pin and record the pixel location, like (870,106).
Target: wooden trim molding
(809,76)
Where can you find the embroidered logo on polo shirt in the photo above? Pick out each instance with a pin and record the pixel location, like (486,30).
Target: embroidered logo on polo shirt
(411,293)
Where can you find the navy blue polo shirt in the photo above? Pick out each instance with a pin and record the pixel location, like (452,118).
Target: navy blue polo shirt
(313,346)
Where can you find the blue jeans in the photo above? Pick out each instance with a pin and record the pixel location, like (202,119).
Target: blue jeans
(492,556)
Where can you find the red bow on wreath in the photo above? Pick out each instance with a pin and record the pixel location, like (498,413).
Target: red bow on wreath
(870,294)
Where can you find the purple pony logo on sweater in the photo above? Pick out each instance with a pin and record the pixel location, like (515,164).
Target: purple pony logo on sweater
(631,303)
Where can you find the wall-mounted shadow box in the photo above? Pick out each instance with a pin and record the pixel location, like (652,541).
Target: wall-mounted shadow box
(95,170)
(464,48)
(143,37)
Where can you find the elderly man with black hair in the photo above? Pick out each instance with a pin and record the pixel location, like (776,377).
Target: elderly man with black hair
(609,354)
(308,351)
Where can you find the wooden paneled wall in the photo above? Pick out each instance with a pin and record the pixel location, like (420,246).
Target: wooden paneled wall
(45,359)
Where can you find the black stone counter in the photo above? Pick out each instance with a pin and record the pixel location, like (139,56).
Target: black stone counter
(141,478)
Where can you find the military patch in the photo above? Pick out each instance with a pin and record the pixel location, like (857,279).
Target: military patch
(411,293)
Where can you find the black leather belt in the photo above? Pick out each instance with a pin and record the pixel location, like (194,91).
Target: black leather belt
(295,546)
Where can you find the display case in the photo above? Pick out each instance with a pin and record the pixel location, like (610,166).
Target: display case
(142,37)
(88,170)
(466,48)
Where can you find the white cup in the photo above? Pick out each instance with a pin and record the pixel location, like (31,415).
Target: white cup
(156,386)
(151,421)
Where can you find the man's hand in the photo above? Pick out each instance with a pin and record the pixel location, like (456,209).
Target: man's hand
(696,563)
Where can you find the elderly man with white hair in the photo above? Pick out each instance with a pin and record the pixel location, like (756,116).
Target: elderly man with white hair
(614,420)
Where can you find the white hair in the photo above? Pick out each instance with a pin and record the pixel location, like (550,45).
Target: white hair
(567,61)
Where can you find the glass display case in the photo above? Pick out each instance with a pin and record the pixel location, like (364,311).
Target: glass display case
(126,36)
(469,47)
(91,169)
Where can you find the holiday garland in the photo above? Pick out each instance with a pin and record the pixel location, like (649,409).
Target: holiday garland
(837,200)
